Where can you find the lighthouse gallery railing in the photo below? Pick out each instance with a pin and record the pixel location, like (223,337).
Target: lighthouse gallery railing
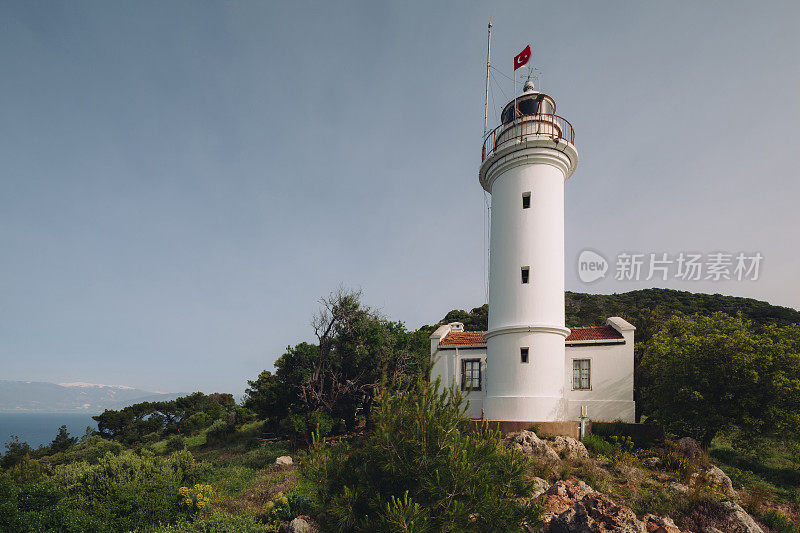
(524,126)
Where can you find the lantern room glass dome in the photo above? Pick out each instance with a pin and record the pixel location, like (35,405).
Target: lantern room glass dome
(529,103)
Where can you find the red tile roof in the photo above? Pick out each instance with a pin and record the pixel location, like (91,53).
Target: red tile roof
(578,334)
(593,333)
(467,338)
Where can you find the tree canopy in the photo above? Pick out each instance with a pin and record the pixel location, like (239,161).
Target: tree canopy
(706,374)
(329,383)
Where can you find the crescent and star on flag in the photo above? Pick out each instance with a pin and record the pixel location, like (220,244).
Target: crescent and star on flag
(522,58)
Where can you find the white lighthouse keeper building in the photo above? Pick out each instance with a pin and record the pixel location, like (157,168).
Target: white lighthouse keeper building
(528,367)
(525,165)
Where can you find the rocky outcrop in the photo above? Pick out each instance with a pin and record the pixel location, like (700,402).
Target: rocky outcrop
(659,524)
(690,448)
(561,496)
(569,448)
(574,507)
(531,445)
(301,524)
(737,520)
(715,476)
(596,512)
(539,487)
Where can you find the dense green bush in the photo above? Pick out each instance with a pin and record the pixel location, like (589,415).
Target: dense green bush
(196,422)
(778,522)
(598,445)
(304,424)
(175,443)
(422,469)
(217,522)
(116,493)
(220,431)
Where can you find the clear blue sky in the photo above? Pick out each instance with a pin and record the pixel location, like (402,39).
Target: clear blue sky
(181,181)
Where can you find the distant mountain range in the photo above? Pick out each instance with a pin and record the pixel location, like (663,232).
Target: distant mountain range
(90,398)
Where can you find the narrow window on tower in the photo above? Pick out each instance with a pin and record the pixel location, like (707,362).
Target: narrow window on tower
(523,355)
(526,200)
(526,274)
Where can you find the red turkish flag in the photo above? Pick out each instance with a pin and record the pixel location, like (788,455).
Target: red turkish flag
(522,58)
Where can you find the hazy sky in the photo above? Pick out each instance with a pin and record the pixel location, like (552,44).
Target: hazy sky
(181,181)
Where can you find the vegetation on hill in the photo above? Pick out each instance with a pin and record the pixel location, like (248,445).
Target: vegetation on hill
(205,463)
(583,309)
(422,470)
(327,386)
(151,421)
(702,375)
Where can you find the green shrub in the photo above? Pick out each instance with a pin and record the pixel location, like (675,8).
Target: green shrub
(125,491)
(598,445)
(261,456)
(175,443)
(304,424)
(659,500)
(196,422)
(217,522)
(778,522)
(220,431)
(283,508)
(90,450)
(422,469)
(34,507)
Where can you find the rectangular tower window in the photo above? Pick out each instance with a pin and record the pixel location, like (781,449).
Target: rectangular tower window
(526,200)
(471,374)
(525,274)
(523,355)
(581,374)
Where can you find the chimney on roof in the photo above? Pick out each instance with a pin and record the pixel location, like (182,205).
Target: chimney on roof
(456,327)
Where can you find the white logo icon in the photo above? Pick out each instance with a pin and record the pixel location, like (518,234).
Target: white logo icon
(591,266)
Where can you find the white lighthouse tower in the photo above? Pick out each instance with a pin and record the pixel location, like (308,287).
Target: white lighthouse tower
(526,162)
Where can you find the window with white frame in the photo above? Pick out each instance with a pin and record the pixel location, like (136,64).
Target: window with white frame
(471,374)
(581,374)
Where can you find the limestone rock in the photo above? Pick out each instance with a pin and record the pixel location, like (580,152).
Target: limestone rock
(678,487)
(690,448)
(737,520)
(652,462)
(596,512)
(561,496)
(570,448)
(531,445)
(715,476)
(539,486)
(283,460)
(659,524)
(301,524)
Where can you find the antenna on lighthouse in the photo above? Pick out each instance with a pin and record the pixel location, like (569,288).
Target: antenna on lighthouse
(488,56)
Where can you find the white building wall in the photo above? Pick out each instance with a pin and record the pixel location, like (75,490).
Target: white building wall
(611,394)
(531,314)
(610,397)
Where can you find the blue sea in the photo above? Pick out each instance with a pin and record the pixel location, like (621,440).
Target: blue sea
(41,428)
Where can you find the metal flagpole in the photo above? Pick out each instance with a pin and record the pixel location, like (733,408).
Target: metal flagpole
(488,57)
(514,73)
